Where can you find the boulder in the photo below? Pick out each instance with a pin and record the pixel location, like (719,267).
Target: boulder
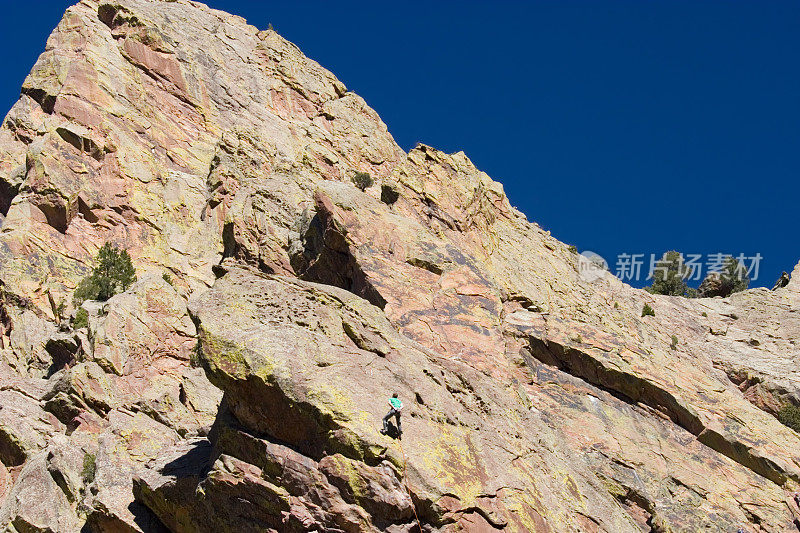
(714,285)
(25,427)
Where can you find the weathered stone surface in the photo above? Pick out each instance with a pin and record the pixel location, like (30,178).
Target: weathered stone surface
(296,388)
(24,427)
(65,463)
(37,503)
(155,136)
(366,232)
(378,489)
(28,337)
(132,393)
(141,326)
(536,399)
(286,490)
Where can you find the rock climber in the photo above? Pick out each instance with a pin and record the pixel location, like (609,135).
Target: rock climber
(395,406)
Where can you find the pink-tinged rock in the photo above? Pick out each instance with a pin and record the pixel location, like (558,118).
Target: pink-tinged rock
(536,399)
(287,362)
(142,326)
(25,427)
(378,489)
(37,503)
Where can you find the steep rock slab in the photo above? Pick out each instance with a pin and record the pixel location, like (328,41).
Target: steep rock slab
(165,127)
(28,334)
(186,135)
(424,283)
(753,337)
(37,503)
(287,354)
(188,487)
(454,308)
(578,329)
(25,427)
(141,326)
(658,470)
(79,189)
(139,358)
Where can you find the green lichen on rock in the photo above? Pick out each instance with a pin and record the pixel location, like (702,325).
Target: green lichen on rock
(789,415)
(89,468)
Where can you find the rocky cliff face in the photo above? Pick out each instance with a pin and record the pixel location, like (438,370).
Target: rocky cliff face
(247,395)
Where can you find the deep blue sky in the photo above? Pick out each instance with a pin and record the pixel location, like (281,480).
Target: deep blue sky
(621,126)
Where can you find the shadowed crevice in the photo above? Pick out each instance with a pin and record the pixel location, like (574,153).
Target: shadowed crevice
(7,194)
(81,143)
(325,257)
(41,97)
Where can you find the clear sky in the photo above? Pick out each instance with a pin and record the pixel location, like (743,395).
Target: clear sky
(624,127)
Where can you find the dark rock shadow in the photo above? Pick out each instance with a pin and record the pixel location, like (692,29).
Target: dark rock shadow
(392,431)
(144,518)
(194,463)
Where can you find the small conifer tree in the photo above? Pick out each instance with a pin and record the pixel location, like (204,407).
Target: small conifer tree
(670,274)
(734,275)
(113,274)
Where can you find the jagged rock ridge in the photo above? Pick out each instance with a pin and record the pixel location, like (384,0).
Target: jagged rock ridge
(536,400)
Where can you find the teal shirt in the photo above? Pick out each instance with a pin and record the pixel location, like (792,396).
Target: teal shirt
(396,403)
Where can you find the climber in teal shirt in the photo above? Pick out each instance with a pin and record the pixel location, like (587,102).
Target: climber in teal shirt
(394,411)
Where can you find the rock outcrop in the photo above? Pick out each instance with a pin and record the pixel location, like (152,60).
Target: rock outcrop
(246,393)
(73,442)
(714,285)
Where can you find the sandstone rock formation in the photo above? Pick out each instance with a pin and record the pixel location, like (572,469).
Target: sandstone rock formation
(248,396)
(714,285)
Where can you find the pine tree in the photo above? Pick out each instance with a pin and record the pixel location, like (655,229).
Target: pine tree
(113,274)
(670,274)
(734,275)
